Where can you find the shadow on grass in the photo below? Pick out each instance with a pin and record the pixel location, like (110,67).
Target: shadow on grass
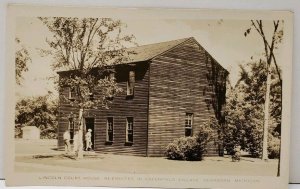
(62,156)
(42,156)
(246,158)
(66,156)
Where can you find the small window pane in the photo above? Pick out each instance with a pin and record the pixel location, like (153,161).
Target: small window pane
(72,93)
(189,124)
(188,132)
(129,129)
(110,129)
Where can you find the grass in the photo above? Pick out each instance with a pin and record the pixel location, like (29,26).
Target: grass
(39,157)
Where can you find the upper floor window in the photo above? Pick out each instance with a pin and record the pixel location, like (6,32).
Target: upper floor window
(130,83)
(91,96)
(110,129)
(129,129)
(111,75)
(72,93)
(189,124)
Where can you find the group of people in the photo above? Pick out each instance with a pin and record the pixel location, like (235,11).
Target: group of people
(77,141)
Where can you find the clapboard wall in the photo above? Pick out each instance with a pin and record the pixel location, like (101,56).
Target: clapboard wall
(121,107)
(180,83)
(184,79)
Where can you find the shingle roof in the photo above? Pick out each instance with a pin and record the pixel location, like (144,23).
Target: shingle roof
(147,52)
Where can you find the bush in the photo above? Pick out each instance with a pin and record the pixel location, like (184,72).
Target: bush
(49,134)
(184,148)
(273,147)
(18,131)
(191,148)
(174,152)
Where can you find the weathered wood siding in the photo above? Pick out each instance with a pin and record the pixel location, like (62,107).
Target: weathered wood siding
(179,84)
(183,80)
(121,107)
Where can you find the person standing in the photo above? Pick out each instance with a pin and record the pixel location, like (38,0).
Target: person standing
(88,140)
(67,138)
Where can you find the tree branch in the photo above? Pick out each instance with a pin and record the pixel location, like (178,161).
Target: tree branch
(89,39)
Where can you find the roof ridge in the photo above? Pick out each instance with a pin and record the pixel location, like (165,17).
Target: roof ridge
(161,42)
(150,51)
(184,40)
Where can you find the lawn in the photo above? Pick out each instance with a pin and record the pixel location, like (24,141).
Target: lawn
(42,156)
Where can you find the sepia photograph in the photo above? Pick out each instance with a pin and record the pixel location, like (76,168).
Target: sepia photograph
(135,94)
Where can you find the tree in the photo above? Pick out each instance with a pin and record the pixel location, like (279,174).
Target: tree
(22,59)
(38,111)
(90,47)
(269,46)
(245,109)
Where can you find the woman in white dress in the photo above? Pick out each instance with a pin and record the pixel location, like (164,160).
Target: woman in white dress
(88,140)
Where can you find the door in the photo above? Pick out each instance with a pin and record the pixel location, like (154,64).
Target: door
(89,124)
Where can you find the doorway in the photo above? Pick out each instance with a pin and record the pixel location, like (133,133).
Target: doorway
(90,124)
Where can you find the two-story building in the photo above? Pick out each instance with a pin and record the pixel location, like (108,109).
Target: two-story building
(170,90)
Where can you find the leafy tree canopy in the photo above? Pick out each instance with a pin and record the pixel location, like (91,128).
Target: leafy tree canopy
(245,108)
(21,60)
(85,45)
(38,111)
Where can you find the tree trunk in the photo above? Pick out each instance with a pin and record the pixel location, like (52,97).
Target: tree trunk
(80,135)
(266,115)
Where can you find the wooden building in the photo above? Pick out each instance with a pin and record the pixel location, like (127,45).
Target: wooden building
(170,90)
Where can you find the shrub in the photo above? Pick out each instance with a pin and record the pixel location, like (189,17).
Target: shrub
(191,148)
(18,131)
(273,147)
(173,151)
(184,148)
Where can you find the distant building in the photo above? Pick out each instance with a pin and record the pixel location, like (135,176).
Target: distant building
(31,133)
(171,89)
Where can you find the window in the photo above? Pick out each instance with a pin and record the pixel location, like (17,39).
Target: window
(110,129)
(71,130)
(72,93)
(91,96)
(111,75)
(129,129)
(189,124)
(130,83)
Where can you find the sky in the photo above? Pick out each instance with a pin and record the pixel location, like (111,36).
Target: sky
(223,39)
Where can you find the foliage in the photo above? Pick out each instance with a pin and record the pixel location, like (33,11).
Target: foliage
(245,109)
(90,47)
(183,148)
(273,147)
(270,45)
(18,131)
(210,132)
(236,155)
(193,148)
(21,60)
(38,111)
